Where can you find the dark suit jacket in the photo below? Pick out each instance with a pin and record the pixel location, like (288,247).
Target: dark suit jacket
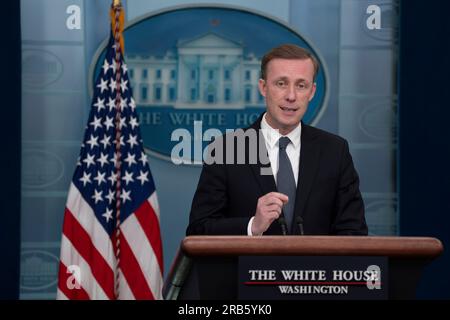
(328,197)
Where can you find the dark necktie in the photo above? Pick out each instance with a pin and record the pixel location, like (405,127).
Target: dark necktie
(286,181)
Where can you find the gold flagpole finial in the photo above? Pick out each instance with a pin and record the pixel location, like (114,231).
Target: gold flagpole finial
(116,3)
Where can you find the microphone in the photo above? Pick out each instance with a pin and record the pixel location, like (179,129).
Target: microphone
(282,222)
(299,222)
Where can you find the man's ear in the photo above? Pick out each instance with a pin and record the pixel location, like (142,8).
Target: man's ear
(262,87)
(313,91)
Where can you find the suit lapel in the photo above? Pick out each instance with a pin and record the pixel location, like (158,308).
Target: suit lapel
(264,177)
(262,172)
(308,165)
(265,181)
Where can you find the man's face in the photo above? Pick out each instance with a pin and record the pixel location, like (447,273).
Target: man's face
(288,88)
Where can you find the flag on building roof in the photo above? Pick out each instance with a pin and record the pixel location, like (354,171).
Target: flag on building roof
(111,243)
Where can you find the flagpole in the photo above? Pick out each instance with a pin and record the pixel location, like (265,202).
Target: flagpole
(117,7)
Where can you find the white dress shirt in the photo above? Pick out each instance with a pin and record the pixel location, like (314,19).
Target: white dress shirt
(271,137)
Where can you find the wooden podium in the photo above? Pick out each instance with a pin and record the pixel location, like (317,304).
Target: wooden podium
(206,266)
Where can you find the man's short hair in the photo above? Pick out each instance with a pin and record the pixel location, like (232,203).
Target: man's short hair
(288,51)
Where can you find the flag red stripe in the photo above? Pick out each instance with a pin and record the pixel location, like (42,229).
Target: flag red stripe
(71,294)
(132,272)
(80,239)
(150,224)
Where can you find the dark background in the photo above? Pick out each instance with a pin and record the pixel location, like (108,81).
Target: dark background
(424,133)
(10,155)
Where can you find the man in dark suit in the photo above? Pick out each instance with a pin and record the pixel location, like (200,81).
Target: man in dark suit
(310,185)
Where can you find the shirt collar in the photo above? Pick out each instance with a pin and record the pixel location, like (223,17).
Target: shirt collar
(272,135)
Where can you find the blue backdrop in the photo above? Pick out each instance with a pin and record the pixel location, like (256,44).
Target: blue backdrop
(424,146)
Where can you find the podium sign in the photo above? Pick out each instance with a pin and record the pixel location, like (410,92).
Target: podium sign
(299,267)
(313,277)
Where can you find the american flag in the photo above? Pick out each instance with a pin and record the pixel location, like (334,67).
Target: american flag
(111,243)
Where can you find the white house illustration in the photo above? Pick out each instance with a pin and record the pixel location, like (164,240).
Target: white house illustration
(206,72)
